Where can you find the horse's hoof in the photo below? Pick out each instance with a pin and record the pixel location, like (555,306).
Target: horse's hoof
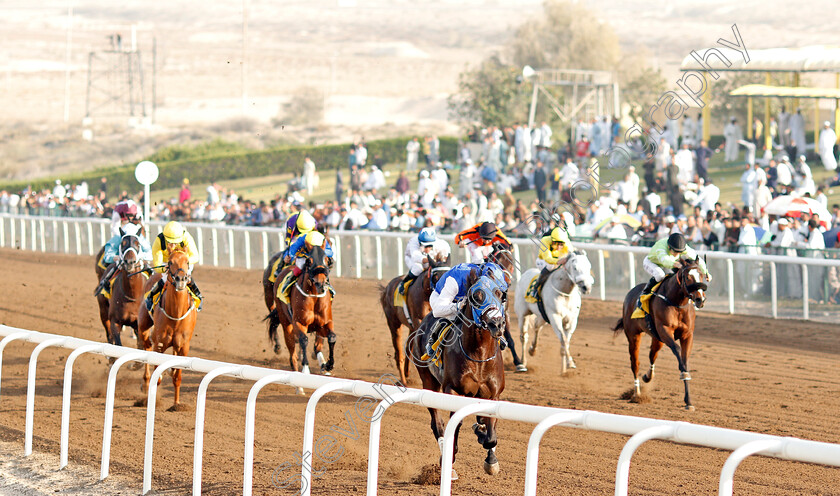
(277,349)
(689,408)
(299,391)
(646,378)
(134,365)
(685,376)
(326,372)
(571,365)
(454,475)
(532,350)
(521,368)
(491,468)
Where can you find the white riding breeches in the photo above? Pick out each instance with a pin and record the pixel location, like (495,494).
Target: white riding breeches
(416,269)
(300,262)
(542,264)
(653,269)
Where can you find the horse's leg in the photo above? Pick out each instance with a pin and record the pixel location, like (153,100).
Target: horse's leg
(104,316)
(485,431)
(523,336)
(115,337)
(685,347)
(634,340)
(655,346)
(667,336)
(556,322)
(182,349)
(520,367)
(536,324)
(317,346)
(396,329)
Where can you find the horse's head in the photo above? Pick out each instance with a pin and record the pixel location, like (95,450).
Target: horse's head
(692,281)
(580,271)
(485,299)
(502,256)
(130,252)
(316,268)
(178,270)
(438,266)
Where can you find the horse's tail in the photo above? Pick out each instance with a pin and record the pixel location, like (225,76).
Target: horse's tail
(273,323)
(383,295)
(619,326)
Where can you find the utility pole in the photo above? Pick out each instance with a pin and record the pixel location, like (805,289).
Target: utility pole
(67,63)
(244,73)
(154,79)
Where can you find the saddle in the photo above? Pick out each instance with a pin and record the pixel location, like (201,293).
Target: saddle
(284,292)
(156,299)
(106,290)
(533,296)
(644,308)
(399,298)
(275,270)
(437,346)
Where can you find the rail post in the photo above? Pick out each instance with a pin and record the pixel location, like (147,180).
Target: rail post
(43,236)
(400,261)
(66,237)
(66,393)
(265,248)
(632,264)
(448,447)
(309,431)
(200,241)
(102,238)
(30,391)
(375,431)
(517,266)
(532,459)
(22,234)
(247,249)
(78,238)
(89,225)
(109,407)
(774,291)
(379,257)
(151,403)
(622,472)
(200,405)
(12,232)
(727,474)
(357,243)
(215,235)
(805,292)
(231,254)
(250,414)
(34,230)
(337,250)
(730,284)
(602,278)
(8,339)
(2,232)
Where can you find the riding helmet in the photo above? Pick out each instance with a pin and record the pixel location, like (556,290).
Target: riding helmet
(305,222)
(314,239)
(559,235)
(676,242)
(174,232)
(427,236)
(487,231)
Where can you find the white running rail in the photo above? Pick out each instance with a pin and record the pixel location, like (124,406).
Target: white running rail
(751,284)
(743,444)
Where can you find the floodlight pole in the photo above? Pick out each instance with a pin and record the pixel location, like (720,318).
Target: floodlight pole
(533,113)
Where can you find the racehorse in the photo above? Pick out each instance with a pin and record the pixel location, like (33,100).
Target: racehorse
(672,307)
(561,300)
(471,362)
(411,313)
(504,259)
(174,318)
(126,292)
(309,310)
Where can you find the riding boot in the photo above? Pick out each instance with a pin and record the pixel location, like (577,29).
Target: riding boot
(647,289)
(195,291)
(105,282)
(407,279)
(157,288)
(439,325)
(544,273)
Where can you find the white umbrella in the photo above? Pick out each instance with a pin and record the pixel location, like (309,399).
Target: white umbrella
(793,206)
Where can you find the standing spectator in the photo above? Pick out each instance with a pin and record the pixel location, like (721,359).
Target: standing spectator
(361,153)
(703,153)
(412,151)
(212,194)
(402,185)
(339,185)
(309,175)
(103,189)
(554,193)
(747,185)
(540,180)
(185,194)
(797,132)
(827,141)
(689,131)
(761,197)
(434,150)
(59,191)
(732,135)
(758,132)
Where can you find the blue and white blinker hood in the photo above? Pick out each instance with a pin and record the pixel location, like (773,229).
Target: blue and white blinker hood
(483,299)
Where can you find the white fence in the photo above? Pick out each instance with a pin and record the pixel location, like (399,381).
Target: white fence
(742,444)
(757,285)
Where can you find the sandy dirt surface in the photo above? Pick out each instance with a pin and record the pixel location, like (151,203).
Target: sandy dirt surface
(776,377)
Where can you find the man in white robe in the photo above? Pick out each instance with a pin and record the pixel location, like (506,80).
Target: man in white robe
(784,128)
(747,186)
(732,134)
(827,140)
(797,131)
(689,131)
(545,135)
(749,155)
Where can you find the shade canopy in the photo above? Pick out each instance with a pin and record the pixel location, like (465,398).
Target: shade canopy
(763,90)
(806,59)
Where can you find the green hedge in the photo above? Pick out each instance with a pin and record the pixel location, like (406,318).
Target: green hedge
(237,164)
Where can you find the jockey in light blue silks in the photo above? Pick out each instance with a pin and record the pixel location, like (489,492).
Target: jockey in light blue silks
(112,252)
(452,289)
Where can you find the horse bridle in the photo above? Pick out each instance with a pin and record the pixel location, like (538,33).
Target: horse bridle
(178,281)
(684,288)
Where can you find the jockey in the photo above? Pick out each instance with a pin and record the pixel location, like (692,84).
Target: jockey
(112,251)
(173,238)
(298,251)
(479,240)
(554,250)
(125,211)
(418,249)
(451,291)
(297,224)
(664,256)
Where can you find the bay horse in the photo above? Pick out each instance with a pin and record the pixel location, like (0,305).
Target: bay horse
(173,318)
(672,308)
(502,256)
(561,299)
(471,361)
(416,304)
(126,292)
(309,310)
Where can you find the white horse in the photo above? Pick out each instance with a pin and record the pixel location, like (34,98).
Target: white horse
(561,300)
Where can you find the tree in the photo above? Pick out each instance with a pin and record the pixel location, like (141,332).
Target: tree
(489,95)
(641,85)
(306,108)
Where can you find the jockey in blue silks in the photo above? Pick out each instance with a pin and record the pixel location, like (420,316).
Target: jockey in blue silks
(112,252)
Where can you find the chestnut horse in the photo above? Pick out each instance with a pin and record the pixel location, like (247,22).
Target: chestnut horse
(472,363)
(126,292)
(309,310)
(173,318)
(502,257)
(417,305)
(672,308)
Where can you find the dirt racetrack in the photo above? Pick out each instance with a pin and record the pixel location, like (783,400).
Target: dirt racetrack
(776,377)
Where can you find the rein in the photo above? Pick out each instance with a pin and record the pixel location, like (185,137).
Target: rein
(464,352)
(685,293)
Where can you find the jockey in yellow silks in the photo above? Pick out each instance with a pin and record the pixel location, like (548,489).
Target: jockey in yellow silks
(554,250)
(173,238)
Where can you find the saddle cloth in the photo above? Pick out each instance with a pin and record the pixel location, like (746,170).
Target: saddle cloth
(437,346)
(399,299)
(156,299)
(639,313)
(284,291)
(107,292)
(101,262)
(273,277)
(529,294)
